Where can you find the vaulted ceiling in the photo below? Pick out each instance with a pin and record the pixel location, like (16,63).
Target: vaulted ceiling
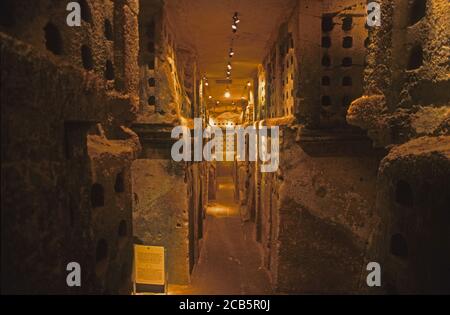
(205,26)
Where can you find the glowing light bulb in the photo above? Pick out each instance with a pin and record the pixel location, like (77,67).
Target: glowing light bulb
(231,53)
(227,94)
(229,66)
(236,18)
(249,83)
(234,28)
(210,97)
(206,83)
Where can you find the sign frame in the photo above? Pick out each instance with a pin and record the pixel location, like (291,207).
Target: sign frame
(147,288)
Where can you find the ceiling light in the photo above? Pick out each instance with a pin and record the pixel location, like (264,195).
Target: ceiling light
(236,18)
(227,93)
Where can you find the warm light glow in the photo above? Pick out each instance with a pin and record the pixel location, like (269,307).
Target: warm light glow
(249,83)
(236,18)
(210,97)
(229,66)
(206,83)
(227,94)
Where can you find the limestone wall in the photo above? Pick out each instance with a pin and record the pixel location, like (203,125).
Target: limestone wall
(67,96)
(161,212)
(406,80)
(405,108)
(169,197)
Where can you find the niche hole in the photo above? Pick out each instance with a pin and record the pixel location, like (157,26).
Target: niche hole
(347,23)
(108,30)
(109,70)
(119,186)
(152,100)
(327,23)
(415,60)
(151,63)
(418,11)
(86,58)
(53,40)
(347,42)
(85,11)
(347,62)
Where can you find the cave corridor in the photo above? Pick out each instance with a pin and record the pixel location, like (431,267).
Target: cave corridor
(343,161)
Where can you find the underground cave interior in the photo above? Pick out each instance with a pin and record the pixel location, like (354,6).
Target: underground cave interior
(364,147)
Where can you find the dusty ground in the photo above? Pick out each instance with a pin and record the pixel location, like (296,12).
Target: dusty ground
(230,259)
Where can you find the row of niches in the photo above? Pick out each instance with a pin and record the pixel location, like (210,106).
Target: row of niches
(151,50)
(347,42)
(414,59)
(9,19)
(328,23)
(417,11)
(289,93)
(346,81)
(345,62)
(102,251)
(54,43)
(327,101)
(98,192)
(286,111)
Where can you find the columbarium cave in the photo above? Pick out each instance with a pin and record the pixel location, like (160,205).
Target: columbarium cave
(362,166)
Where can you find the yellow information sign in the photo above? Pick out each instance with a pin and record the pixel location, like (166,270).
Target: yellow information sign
(149,265)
